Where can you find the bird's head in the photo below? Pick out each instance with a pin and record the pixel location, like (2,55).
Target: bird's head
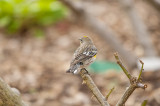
(85,40)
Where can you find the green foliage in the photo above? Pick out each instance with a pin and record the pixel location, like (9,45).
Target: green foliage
(38,33)
(19,14)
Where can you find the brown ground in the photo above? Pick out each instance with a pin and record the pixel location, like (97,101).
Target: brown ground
(36,66)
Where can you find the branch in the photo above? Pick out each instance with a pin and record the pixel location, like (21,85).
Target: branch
(107,96)
(141,70)
(126,95)
(9,96)
(103,30)
(91,85)
(122,66)
(134,83)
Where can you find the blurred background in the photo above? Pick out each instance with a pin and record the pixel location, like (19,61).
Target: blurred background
(39,37)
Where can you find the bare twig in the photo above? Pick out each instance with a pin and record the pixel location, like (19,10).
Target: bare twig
(103,30)
(122,66)
(141,70)
(91,85)
(139,27)
(134,83)
(9,96)
(141,85)
(126,95)
(107,96)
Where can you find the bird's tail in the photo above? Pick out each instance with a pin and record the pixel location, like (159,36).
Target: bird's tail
(73,69)
(68,71)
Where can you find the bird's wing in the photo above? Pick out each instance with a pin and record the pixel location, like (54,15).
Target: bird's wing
(84,54)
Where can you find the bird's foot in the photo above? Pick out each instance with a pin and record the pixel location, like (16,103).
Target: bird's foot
(86,72)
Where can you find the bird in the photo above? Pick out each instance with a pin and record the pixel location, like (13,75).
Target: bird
(84,55)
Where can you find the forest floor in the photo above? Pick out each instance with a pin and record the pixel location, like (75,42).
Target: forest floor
(36,66)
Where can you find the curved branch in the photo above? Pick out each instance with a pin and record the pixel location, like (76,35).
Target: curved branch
(92,86)
(134,82)
(126,95)
(9,96)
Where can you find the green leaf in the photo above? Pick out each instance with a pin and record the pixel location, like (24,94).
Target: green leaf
(16,14)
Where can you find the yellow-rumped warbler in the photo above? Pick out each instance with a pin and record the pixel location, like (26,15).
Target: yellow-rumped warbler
(83,56)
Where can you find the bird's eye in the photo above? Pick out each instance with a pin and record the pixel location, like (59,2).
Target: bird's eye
(81,40)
